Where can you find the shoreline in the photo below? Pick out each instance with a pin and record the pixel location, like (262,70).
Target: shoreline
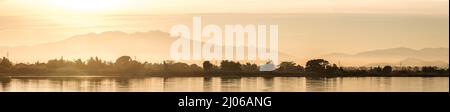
(3,76)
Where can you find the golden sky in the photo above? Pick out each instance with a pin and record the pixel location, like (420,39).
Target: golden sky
(51,7)
(346,26)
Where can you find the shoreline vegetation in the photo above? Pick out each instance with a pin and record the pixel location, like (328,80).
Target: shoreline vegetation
(125,66)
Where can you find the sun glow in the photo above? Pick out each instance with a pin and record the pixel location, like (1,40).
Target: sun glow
(87,5)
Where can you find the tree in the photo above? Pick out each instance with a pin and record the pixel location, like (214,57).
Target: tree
(332,69)
(179,67)
(79,64)
(230,66)
(289,67)
(95,65)
(5,65)
(376,70)
(57,63)
(123,60)
(317,65)
(429,69)
(166,65)
(195,68)
(387,69)
(126,65)
(248,67)
(207,66)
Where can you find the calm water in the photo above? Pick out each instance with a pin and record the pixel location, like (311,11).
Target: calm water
(224,84)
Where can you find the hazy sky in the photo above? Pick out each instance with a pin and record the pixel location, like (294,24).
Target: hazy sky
(347,26)
(19,7)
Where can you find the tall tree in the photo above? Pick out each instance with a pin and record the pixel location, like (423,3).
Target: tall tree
(126,65)
(387,69)
(207,66)
(317,65)
(5,65)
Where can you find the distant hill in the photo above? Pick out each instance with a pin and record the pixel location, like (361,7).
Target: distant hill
(412,62)
(106,45)
(154,46)
(407,56)
(402,52)
(145,46)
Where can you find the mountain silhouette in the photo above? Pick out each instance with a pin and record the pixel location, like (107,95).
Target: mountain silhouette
(106,45)
(425,56)
(145,46)
(155,46)
(412,62)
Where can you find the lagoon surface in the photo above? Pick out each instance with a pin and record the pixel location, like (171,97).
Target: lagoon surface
(224,84)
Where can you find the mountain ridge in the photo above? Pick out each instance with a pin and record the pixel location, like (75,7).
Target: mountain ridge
(107,45)
(155,45)
(398,54)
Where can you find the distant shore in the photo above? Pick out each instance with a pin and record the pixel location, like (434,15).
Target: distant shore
(126,67)
(262,74)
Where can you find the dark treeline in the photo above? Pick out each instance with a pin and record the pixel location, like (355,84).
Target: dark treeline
(126,66)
